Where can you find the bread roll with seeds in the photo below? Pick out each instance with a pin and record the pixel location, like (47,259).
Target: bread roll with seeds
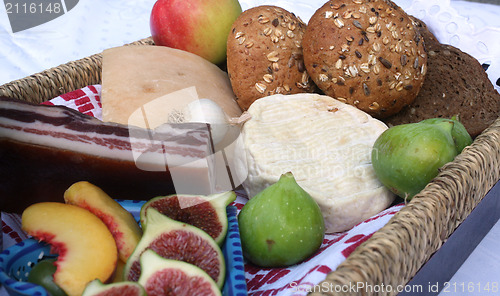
(264,55)
(430,41)
(365,53)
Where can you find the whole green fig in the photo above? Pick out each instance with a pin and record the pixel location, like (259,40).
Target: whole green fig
(407,157)
(281,226)
(459,134)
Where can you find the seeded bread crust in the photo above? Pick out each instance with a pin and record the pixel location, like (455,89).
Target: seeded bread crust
(365,53)
(430,41)
(455,85)
(264,55)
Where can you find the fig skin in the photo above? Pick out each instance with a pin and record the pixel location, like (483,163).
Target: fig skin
(281,226)
(177,240)
(43,274)
(407,157)
(459,134)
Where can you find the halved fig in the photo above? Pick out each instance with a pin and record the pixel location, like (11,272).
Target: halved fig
(97,288)
(162,276)
(207,212)
(178,241)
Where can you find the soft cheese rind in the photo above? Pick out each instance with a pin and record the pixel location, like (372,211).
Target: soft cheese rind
(326,144)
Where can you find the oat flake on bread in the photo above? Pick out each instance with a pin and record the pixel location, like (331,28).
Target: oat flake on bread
(264,55)
(365,53)
(326,144)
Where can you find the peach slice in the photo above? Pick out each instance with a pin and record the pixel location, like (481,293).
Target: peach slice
(120,222)
(86,248)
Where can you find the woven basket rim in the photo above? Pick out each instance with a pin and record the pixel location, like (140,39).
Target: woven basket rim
(393,254)
(420,228)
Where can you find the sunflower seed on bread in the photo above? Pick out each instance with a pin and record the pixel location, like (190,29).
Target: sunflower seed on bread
(264,55)
(366,53)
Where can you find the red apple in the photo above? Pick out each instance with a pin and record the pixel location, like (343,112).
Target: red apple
(198,26)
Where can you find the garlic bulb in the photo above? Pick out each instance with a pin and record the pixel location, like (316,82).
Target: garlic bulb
(206,111)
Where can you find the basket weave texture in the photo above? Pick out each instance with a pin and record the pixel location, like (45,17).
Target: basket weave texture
(394,254)
(59,80)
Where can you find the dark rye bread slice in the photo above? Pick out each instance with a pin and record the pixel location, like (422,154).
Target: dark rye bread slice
(455,85)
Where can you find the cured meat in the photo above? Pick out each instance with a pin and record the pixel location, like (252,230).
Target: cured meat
(45,149)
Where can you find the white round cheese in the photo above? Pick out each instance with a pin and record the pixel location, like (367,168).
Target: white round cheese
(326,144)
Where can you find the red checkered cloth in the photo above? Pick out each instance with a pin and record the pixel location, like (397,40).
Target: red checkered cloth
(303,278)
(295,280)
(86,100)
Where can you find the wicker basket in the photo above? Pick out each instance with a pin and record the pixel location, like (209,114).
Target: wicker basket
(394,254)
(59,80)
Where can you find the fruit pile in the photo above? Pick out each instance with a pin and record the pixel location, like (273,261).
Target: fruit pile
(102,250)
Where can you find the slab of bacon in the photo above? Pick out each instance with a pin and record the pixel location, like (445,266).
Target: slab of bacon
(45,149)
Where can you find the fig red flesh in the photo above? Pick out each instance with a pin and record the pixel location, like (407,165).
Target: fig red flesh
(202,214)
(184,246)
(176,282)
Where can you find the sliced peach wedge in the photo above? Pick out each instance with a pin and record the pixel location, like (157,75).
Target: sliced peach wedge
(119,221)
(86,248)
